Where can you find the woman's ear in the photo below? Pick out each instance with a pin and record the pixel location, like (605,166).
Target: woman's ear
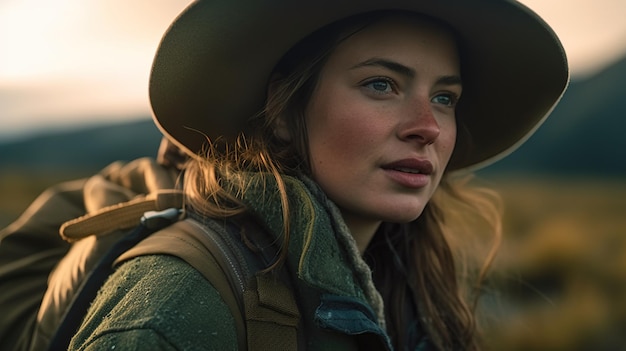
(281,130)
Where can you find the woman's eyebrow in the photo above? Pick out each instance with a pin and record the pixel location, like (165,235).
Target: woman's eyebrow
(405,70)
(391,65)
(450,80)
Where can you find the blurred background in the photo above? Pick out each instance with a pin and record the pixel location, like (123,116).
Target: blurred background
(73,98)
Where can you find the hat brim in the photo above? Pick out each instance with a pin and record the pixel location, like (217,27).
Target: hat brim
(211,69)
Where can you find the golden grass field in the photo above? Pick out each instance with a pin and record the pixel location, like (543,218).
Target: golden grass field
(559,279)
(561,270)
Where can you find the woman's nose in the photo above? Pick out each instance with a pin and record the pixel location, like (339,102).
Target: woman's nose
(419,124)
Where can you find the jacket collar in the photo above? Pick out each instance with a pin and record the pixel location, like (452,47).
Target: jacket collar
(321,248)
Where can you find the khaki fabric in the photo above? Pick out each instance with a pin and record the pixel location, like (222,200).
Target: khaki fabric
(31,247)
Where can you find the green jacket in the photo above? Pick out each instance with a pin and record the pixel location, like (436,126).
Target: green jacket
(159,302)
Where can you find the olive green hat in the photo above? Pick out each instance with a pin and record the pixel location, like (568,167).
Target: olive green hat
(212,67)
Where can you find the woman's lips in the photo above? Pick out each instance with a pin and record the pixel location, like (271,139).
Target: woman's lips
(410,173)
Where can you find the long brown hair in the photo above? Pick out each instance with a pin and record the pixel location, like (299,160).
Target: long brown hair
(416,266)
(433,264)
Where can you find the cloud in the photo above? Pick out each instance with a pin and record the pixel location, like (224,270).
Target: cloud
(593,32)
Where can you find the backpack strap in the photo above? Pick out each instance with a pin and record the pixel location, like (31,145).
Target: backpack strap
(272,315)
(125,215)
(190,243)
(103,269)
(264,308)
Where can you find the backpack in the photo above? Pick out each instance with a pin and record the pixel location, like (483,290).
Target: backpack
(265,312)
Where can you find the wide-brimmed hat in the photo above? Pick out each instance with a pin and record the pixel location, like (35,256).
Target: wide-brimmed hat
(212,67)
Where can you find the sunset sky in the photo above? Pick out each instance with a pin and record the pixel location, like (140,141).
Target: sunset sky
(69,62)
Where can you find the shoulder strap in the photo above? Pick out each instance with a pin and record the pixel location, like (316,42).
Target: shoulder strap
(187,242)
(264,308)
(272,315)
(95,279)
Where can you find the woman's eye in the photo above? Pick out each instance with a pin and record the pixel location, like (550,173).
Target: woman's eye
(380,86)
(445,99)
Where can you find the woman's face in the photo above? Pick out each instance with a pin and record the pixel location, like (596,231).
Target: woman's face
(381,120)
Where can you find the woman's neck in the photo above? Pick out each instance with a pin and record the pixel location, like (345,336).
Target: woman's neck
(361,230)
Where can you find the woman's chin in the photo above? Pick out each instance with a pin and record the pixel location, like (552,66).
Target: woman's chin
(403,215)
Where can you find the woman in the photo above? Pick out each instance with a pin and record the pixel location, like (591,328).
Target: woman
(338,128)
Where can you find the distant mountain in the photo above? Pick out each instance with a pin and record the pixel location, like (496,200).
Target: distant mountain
(585,135)
(87,149)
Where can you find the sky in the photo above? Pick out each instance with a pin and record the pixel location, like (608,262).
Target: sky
(65,63)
